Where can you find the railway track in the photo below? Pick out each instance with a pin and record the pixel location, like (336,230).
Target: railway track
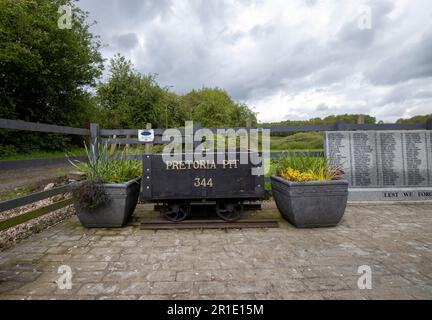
(208,224)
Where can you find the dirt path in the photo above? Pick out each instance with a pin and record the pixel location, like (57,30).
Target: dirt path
(10,179)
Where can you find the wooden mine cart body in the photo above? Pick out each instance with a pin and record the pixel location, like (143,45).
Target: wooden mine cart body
(180,183)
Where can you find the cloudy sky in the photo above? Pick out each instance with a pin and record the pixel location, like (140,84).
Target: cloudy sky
(287,59)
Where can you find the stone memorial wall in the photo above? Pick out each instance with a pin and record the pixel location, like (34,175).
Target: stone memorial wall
(397,161)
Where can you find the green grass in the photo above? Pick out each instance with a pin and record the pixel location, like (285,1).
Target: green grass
(45,155)
(301,141)
(33,187)
(15,193)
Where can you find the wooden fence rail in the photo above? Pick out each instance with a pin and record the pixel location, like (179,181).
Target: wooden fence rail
(273,154)
(41,127)
(24,217)
(338,126)
(18,202)
(97,134)
(12,222)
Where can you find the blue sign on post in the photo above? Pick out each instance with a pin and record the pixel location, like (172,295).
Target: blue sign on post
(146,135)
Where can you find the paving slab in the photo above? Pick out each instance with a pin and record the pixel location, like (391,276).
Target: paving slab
(393,240)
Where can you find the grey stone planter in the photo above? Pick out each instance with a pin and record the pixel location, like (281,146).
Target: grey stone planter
(310,204)
(116,212)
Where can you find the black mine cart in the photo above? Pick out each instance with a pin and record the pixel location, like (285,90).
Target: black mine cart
(177,184)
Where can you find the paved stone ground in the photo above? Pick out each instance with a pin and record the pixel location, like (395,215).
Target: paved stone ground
(285,263)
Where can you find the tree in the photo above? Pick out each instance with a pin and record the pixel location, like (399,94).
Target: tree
(347,118)
(415,119)
(130,99)
(213,107)
(45,71)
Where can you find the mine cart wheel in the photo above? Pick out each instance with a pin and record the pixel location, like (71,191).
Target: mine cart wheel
(176,211)
(229,211)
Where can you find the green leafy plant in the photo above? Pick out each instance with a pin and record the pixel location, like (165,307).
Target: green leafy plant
(46,72)
(307,169)
(107,166)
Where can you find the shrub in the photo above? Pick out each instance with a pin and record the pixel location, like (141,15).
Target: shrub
(7,151)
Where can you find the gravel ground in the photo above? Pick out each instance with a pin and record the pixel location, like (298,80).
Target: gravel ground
(11,236)
(37,179)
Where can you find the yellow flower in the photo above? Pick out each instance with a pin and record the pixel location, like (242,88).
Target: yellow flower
(295,175)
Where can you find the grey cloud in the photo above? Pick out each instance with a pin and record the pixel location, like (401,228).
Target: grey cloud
(126,41)
(201,45)
(310,2)
(143,9)
(352,34)
(407,91)
(423,94)
(262,30)
(284,67)
(322,107)
(410,63)
(114,16)
(211,12)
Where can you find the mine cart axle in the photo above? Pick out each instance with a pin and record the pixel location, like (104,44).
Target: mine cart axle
(227,210)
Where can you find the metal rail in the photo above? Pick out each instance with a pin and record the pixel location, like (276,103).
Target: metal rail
(208,224)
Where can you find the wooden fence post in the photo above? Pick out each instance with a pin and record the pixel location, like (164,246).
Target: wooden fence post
(148,146)
(127,144)
(114,145)
(340,126)
(429,124)
(94,139)
(248,126)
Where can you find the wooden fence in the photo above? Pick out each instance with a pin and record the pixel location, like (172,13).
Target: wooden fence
(22,201)
(18,202)
(130,136)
